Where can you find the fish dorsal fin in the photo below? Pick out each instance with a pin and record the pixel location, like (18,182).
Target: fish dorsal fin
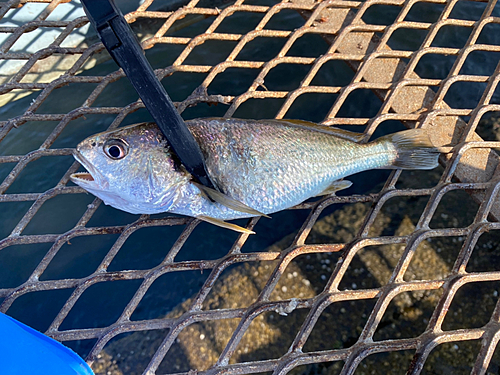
(336,186)
(341,133)
(223,224)
(227,201)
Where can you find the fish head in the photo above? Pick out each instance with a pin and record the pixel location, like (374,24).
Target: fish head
(131,168)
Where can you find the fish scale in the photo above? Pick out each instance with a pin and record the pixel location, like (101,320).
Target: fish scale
(260,166)
(288,164)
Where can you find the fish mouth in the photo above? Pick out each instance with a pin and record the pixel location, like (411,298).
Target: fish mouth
(87,180)
(82,176)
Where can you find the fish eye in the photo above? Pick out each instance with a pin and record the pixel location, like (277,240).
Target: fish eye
(116,149)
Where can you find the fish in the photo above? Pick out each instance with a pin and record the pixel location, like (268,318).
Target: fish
(258,167)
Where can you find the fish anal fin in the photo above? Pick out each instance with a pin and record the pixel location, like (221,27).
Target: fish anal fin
(223,199)
(223,224)
(336,186)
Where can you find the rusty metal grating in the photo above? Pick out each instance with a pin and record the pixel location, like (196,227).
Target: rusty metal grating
(374,47)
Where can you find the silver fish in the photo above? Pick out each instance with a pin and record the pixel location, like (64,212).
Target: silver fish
(261,167)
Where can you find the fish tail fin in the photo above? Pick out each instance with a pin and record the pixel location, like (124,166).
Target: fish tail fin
(413,149)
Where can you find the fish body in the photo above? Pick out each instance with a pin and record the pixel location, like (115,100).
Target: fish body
(268,165)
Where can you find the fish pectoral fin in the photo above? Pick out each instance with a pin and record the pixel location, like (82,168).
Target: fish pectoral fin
(227,201)
(223,224)
(336,186)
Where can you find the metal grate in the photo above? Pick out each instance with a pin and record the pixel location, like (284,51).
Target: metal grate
(379,272)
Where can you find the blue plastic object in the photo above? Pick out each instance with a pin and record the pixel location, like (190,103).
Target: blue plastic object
(26,351)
